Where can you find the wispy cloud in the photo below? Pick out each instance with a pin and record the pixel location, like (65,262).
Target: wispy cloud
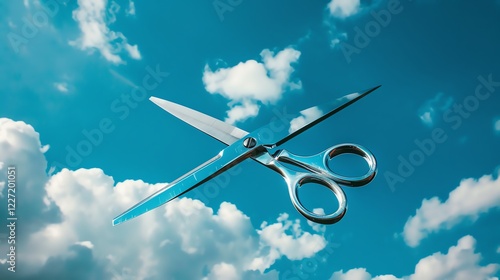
(62,87)
(131,8)
(496,125)
(250,82)
(87,244)
(337,39)
(122,79)
(93,22)
(470,199)
(432,109)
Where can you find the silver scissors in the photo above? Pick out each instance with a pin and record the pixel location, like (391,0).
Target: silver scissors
(261,145)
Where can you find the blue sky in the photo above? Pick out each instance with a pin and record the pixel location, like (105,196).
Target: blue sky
(87,144)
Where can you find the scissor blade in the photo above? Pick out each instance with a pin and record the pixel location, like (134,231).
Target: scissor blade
(224,160)
(288,126)
(219,130)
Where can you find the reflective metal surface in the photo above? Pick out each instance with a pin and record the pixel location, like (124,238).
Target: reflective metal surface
(257,145)
(296,179)
(219,130)
(319,163)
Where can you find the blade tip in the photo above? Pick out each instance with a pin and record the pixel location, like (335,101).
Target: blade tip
(370,90)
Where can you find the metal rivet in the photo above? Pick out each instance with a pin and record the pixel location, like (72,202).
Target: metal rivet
(249,142)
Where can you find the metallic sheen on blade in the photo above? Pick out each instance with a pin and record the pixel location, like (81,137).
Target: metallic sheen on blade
(256,145)
(296,124)
(219,130)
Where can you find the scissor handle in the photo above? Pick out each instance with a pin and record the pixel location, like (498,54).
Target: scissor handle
(295,180)
(319,163)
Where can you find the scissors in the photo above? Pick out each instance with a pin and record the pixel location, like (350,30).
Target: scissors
(262,145)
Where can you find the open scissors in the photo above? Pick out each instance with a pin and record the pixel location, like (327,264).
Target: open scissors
(260,145)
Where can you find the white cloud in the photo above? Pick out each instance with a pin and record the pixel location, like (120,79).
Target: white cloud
(433,108)
(497,126)
(426,118)
(87,244)
(250,82)
(295,246)
(344,8)
(20,148)
(113,10)
(352,274)
(350,96)
(223,271)
(123,79)
(470,199)
(44,148)
(498,250)
(70,216)
(242,112)
(133,51)
(460,263)
(131,8)
(315,226)
(96,35)
(306,116)
(334,42)
(62,87)
(337,37)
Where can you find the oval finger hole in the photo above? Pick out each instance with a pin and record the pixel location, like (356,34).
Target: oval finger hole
(348,164)
(317,198)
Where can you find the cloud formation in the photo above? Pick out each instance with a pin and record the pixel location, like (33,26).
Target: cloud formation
(20,148)
(93,18)
(460,263)
(131,8)
(343,8)
(249,83)
(71,213)
(470,199)
(342,11)
(433,109)
(62,87)
(496,126)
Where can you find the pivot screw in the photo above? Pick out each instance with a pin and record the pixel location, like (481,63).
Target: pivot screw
(249,142)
